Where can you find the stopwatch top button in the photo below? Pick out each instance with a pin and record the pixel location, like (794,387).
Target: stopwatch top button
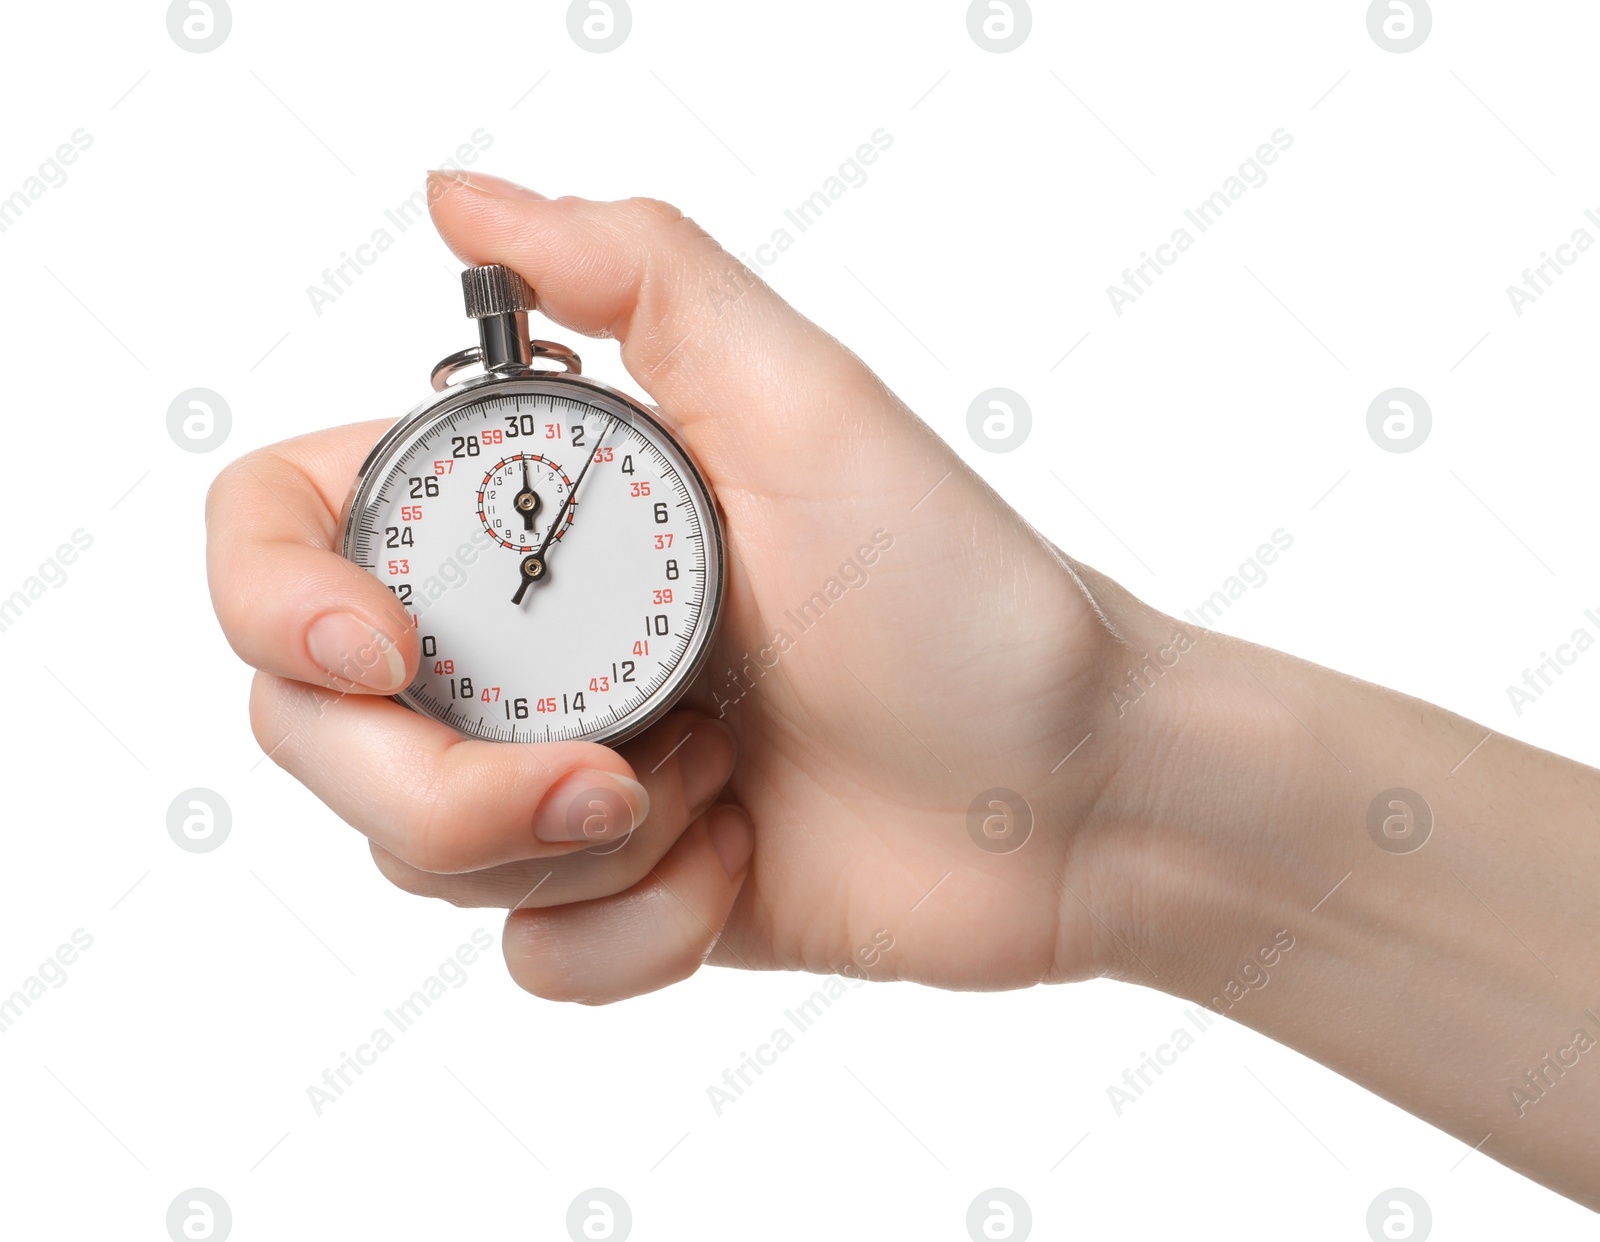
(495,290)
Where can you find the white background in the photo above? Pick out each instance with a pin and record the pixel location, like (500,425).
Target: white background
(1223,405)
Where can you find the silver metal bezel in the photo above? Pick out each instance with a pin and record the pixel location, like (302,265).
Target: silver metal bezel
(603,397)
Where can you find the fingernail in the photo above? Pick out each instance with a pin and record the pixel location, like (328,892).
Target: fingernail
(350,648)
(590,805)
(483,183)
(705,761)
(732,840)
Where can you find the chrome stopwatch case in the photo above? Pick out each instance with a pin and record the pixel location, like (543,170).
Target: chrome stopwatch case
(557,549)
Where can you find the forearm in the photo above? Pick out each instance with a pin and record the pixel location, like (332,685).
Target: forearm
(1458,977)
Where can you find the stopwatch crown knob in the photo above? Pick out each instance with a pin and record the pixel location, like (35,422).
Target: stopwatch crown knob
(495,289)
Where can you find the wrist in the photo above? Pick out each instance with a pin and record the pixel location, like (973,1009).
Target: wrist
(1247,818)
(1231,821)
(1393,890)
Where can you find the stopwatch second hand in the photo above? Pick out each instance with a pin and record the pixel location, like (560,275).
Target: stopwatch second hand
(533,567)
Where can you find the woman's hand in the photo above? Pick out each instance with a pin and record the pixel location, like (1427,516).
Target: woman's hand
(943,763)
(897,641)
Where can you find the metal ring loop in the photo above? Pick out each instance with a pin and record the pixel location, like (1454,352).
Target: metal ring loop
(452,364)
(460,360)
(558,353)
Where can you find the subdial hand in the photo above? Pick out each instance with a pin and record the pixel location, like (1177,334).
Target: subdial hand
(527,500)
(533,567)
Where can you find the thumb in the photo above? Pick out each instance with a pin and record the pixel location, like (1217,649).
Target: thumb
(748,380)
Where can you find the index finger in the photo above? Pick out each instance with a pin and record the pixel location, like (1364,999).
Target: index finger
(288,602)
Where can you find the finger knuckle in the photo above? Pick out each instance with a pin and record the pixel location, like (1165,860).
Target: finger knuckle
(433,836)
(551,987)
(407,879)
(222,487)
(652,212)
(434,841)
(565,986)
(265,723)
(666,228)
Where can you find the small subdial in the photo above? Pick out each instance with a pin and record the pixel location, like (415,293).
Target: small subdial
(518,499)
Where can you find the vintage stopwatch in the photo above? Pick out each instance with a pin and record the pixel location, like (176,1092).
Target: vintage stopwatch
(557,549)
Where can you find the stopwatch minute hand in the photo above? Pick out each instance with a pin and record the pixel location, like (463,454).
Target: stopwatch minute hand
(533,567)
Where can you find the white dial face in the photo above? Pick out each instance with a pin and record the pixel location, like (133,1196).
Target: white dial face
(559,555)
